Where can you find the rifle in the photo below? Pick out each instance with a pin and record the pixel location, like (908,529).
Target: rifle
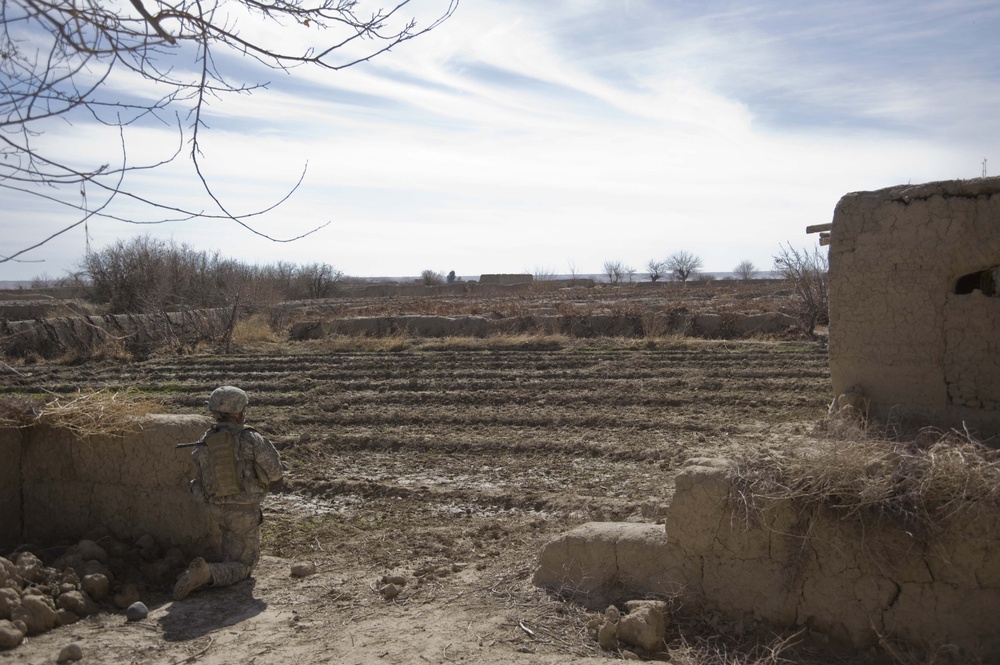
(199,442)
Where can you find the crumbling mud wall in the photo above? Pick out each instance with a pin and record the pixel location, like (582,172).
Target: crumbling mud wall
(10,488)
(131,484)
(726,326)
(138,333)
(506,278)
(915,302)
(790,567)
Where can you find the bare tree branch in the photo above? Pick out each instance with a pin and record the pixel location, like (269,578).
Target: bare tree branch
(123,64)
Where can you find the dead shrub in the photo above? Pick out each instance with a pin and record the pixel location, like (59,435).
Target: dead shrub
(92,413)
(85,413)
(919,484)
(254,330)
(18,411)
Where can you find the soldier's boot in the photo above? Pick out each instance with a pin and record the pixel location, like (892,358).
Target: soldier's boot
(196,576)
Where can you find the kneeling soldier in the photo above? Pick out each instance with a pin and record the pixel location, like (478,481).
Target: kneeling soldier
(236,464)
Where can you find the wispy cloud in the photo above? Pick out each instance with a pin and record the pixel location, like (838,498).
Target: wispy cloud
(524,134)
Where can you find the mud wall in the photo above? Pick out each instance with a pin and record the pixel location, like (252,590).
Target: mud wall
(791,567)
(501,278)
(913,307)
(133,484)
(596,325)
(139,333)
(10,488)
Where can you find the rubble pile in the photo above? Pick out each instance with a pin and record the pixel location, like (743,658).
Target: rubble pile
(97,574)
(641,630)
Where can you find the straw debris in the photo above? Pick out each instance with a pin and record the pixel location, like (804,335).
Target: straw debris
(920,484)
(85,413)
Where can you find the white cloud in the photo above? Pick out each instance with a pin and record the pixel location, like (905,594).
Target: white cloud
(522,135)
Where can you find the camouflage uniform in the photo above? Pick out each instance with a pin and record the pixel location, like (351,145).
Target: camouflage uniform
(238,515)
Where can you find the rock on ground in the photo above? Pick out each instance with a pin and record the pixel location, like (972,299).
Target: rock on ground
(137,611)
(10,636)
(71,651)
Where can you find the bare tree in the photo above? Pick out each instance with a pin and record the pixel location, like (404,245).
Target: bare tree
(574,272)
(808,273)
(657,269)
(617,271)
(91,63)
(745,270)
(683,265)
(319,279)
(431,278)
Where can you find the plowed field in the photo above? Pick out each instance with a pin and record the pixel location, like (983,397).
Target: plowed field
(450,466)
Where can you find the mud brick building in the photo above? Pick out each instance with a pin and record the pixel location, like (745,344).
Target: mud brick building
(915,302)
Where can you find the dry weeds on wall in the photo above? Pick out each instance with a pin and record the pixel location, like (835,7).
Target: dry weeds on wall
(85,413)
(918,484)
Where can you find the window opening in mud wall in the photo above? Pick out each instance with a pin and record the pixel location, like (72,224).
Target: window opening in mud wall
(987,281)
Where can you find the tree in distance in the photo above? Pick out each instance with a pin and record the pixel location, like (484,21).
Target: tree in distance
(431,278)
(745,270)
(451,277)
(657,269)
(80,66)
(683,265)
(808,273)
(618,271)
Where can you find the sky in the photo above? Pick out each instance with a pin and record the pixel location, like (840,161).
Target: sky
(554,136)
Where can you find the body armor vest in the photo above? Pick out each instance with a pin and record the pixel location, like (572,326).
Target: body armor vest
(221,446)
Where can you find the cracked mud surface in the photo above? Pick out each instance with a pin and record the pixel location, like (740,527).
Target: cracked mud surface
(451,468)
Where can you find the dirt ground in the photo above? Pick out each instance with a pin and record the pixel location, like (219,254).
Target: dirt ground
(447,463)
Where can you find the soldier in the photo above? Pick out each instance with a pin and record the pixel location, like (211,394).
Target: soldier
(235,467)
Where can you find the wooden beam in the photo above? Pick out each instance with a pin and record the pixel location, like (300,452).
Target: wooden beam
(824,239)
(819,228)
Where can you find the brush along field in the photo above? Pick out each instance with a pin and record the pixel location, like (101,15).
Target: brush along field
(447,463)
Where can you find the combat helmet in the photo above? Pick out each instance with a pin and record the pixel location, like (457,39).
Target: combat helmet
(228,399)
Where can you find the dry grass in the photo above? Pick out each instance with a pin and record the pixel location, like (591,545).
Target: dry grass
(920,484)
(254,330)
(90,413)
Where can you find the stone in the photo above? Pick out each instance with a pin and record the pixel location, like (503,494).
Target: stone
(10,636)
(37,612)
(9,599)
(20,625)
(607,635)
(389,591)
(90,550)
(73,601)
(71,651)
(630,655)
(8,572)
(65,617)
(612,614)
(159,572)
(117,549)
(148,547)
(29,567)
(96,585)
(128,595)
(643,627)
(137,611)
(398,580)
(93,566)
(303,569)
(71,560)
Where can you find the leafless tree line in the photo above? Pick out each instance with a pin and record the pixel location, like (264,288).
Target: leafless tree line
(146,274)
